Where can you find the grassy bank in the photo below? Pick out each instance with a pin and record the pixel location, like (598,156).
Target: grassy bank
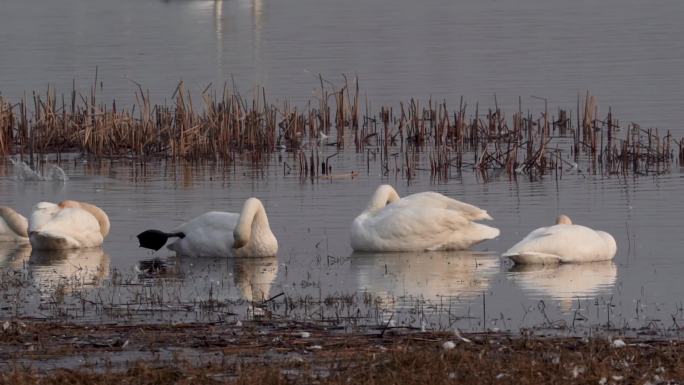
(34,352)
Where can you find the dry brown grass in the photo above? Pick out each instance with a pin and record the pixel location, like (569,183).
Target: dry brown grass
(225,123)
(263,354)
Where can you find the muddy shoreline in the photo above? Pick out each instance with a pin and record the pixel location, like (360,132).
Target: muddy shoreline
(288,352)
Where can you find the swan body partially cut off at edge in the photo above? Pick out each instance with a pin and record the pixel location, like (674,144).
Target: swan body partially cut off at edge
(67,225)
(563,242)
(422,221)
(220,234)
(13,226)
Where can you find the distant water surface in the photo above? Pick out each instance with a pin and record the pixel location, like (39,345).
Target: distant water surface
(629,54)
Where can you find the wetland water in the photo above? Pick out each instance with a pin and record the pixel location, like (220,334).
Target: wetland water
(316,269)
(628,53)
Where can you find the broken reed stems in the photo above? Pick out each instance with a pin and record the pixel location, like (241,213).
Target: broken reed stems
(230,124)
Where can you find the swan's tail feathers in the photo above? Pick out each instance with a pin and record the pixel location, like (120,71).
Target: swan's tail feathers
(532,257)
(484,232)
(485,215)
(156,239)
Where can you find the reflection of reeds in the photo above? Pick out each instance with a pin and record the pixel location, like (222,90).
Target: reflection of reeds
(415,136)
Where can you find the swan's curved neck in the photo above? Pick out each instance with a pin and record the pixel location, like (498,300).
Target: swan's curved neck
(15,221)
(252,215)
(383,196)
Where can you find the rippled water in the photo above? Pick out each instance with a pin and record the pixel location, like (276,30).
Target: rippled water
(628,53)
(640,288)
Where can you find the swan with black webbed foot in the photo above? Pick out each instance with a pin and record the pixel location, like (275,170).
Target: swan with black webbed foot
(219,234)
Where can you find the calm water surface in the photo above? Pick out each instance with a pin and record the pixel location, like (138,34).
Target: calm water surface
(640,288)
(630,54)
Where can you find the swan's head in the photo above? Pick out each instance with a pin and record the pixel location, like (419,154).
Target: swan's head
(563,220)
(384,195)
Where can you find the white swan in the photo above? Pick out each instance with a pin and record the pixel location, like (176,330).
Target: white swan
(422,221)
(563,243)
(220,234)
(13,226)
(67,225)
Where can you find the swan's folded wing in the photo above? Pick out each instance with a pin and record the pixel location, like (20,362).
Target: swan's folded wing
(41,215)
(69,222)
(437,200)
(425,223)
(538,240)
(567,242)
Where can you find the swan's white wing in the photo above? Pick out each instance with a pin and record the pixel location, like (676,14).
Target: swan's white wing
(411,228)
(560,243)
(41,215)
(71,221)
(408,221)
(54,227)
(437,200)
(210,234)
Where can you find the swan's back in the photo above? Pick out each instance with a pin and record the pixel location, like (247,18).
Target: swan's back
(54,227)
(422,221)
(436,200)
(563,243)
(210,234)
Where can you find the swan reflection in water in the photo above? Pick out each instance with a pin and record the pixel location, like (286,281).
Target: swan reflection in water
(566,282)
(430,275)
(14,255)
(208,276)
(70,268)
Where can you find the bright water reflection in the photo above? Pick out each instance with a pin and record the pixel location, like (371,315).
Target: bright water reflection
(566,282)
(249,279)
(78,268)
(430,275)
(14,255)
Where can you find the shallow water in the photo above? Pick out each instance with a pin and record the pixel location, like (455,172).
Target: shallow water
(320,277)
(628,53)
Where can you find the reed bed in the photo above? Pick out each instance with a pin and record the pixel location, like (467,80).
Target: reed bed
(416,136)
